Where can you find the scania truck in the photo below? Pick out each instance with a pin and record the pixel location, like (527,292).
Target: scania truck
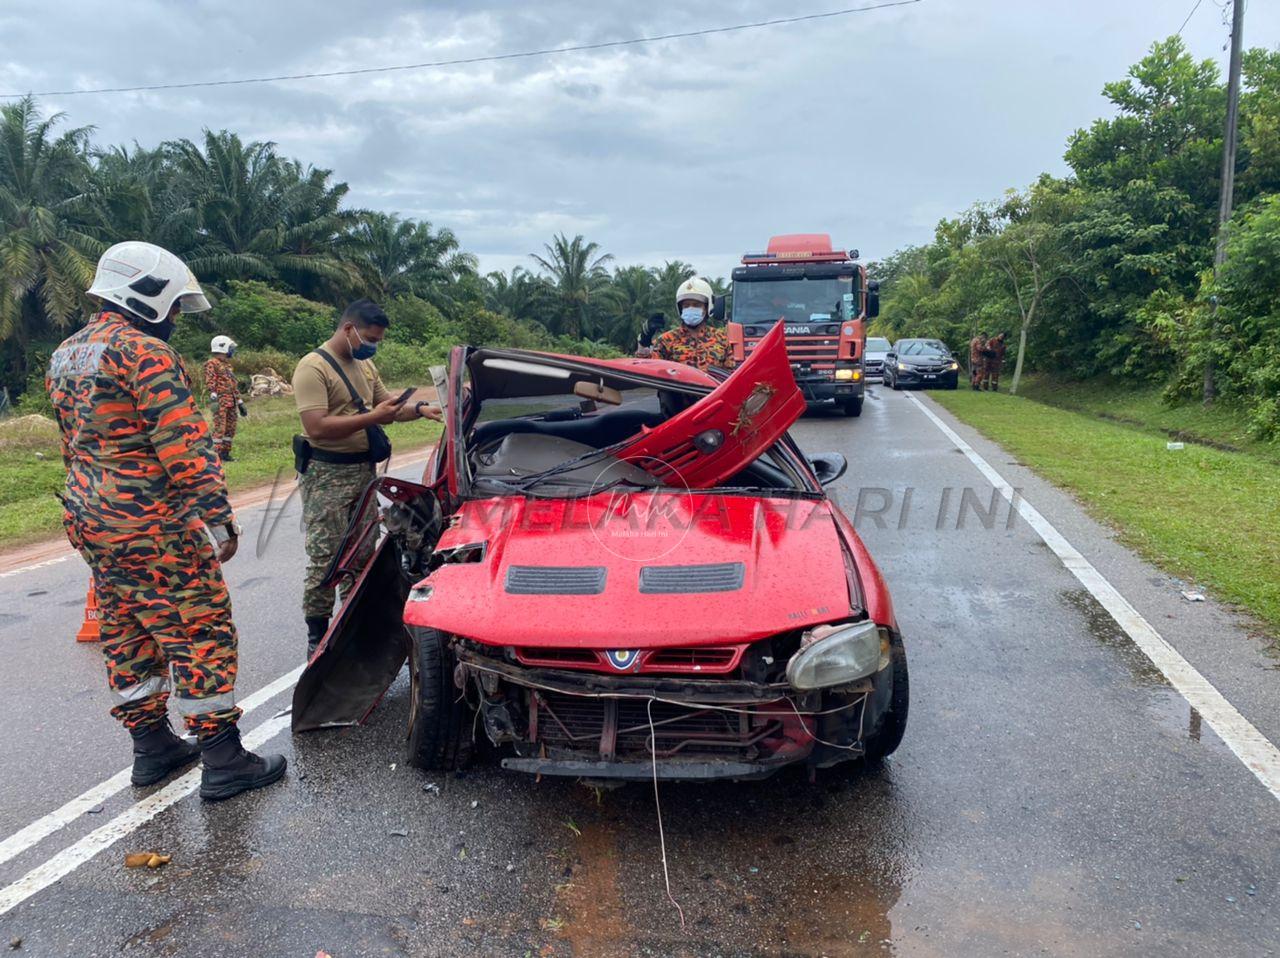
(822,297)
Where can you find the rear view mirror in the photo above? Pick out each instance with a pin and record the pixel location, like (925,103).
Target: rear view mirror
(717,307)
(873,298)
(598,392)
(828,466)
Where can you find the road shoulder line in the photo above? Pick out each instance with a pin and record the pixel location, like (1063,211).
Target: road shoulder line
(1258,754)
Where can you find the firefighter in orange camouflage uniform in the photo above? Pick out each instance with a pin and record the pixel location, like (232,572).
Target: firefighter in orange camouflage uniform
(146,505)
(696,342)
(224,392)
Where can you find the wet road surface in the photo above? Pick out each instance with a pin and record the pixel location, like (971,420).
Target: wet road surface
(1053,794)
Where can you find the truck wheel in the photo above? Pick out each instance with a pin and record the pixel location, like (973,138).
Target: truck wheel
(888,736)
(439,722)
(851,407)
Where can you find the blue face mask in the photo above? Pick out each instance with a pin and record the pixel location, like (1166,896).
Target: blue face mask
(692,315)
(364,350)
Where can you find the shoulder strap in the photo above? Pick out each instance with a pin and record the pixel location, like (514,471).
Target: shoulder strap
(355,396)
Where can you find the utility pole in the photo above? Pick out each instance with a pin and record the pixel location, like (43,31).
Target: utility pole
(1228,179)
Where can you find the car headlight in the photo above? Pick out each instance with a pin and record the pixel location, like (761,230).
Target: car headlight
(954,366)
(835,655)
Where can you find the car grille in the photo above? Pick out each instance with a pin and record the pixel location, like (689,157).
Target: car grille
(713,660)
(621,728)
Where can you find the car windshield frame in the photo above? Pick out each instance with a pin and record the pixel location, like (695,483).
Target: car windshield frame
(888,346)
(782,456)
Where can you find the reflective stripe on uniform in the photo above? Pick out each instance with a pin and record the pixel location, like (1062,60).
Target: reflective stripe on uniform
(210,703)
(153,685)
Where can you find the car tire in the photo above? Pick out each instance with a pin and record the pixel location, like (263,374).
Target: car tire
(893,724)
(439,721)
(851,407)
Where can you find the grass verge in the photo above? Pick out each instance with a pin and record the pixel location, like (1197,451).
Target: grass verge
(31,470)
(1203,514)
(1222,426)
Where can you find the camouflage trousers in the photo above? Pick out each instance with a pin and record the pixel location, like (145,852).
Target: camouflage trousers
(330,494)
(165,618)
(224,424)
(991,374)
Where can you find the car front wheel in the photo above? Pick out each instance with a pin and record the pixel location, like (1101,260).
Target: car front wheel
(439,719)
(888,734)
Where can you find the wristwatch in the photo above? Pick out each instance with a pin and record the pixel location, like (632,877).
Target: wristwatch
(417,407)
(225,532)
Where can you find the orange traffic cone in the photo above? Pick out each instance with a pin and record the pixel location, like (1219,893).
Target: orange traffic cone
(90,631)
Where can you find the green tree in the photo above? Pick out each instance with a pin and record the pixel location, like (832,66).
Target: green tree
(46,259)
(409,257)
(577,272)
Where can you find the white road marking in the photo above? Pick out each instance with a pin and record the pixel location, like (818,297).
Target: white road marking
(128,821)
(42,828)
(36,565)
(1253,748)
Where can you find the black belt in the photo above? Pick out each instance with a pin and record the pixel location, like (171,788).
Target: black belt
(340,458)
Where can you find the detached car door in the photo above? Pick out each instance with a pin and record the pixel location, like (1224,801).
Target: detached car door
(378,561)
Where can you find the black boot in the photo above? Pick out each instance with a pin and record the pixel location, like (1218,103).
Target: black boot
(317,626)
(230,770)
(157,751)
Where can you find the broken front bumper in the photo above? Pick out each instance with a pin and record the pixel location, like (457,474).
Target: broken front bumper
(586,724)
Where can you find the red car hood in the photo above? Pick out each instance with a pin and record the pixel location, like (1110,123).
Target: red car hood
(598,572)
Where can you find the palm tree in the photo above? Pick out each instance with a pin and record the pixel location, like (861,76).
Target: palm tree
(520,295)
(46,258)
(630,297)
(407,257)
(577,272)
(261,216)
(667,280)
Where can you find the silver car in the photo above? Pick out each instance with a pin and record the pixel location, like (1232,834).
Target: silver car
(873,357)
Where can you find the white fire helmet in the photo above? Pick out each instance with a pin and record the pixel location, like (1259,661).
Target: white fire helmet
(222,344)
(145,279)
(695,288)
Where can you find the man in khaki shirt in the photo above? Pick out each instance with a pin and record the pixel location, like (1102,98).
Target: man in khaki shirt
(335,424)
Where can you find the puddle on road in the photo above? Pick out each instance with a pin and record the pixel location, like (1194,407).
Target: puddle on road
(1162,700)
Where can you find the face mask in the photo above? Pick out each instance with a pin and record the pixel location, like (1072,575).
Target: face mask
(692,315)
(364,350)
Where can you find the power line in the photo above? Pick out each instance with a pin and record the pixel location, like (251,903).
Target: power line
(1189,17)
(465,61)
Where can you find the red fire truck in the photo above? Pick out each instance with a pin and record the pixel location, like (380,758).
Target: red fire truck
(822,297)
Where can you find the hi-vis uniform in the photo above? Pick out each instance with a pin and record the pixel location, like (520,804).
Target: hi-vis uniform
(220,381)
(142,478)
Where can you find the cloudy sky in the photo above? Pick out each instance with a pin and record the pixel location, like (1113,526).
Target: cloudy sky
(870,127)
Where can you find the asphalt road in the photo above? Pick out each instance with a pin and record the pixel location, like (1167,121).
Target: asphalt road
(1053,795)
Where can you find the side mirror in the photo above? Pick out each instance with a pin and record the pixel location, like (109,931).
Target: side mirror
(873,298)
(717,308)
(828,466)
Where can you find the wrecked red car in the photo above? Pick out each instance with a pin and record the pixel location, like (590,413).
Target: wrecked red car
(616,569)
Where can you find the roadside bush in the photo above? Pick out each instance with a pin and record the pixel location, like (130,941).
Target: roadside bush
(250,362)
(413,320)
(408,364)
(258,317)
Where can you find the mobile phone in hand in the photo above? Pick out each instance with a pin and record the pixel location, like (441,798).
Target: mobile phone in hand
(405,395)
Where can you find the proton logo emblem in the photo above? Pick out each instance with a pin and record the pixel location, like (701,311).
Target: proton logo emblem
(623,659)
